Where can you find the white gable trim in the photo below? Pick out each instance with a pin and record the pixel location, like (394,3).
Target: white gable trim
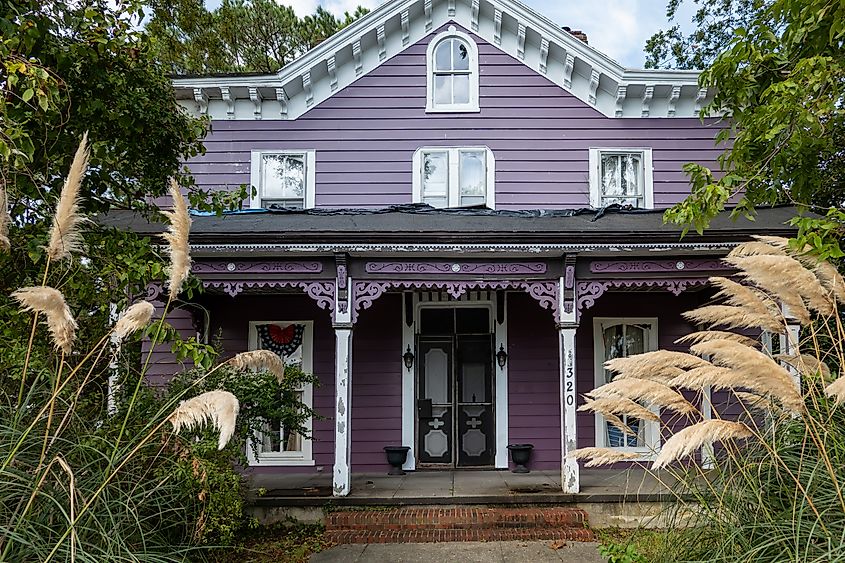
(385,32)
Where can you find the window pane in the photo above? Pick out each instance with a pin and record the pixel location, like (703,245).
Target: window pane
(630,166)
(610,185)
(443,89)
(473,178)
(460,83)
(283,176)
(443,55)
(460,55)
(435,174)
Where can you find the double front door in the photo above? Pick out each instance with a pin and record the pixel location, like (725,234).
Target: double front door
(455,408)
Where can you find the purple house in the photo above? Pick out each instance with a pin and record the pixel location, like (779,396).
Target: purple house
(457,219)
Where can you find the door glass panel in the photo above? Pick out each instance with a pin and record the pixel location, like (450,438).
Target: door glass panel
(437,321)
(437,376)
(473,388)
(472,320)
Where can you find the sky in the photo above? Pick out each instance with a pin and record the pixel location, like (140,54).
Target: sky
(618,28)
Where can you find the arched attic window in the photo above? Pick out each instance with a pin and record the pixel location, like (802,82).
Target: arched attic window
(452,66)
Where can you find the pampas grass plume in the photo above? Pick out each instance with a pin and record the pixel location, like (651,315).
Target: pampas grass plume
(51,303)
(601,456)
(619,405)
(653,365)
(645,390)
(133,319)
(220,408)
(177,239)
(688,440)
(707,335)
(730,316)
(757,371)
(259,360)
(836,390)
(65,237)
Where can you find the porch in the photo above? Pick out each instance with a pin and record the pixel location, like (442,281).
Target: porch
(464,487)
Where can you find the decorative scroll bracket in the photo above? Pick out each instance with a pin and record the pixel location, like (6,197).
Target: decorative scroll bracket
(341,311)
(589,291)
(323,292)
(366,292)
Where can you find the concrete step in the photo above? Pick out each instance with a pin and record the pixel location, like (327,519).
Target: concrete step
(416,524)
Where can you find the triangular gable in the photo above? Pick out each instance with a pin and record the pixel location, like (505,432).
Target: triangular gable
(388,30)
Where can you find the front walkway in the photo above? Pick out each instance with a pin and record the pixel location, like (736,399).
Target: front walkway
(480,552)
(463,487)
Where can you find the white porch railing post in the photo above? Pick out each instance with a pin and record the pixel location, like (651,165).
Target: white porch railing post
(569,472)
(343,408)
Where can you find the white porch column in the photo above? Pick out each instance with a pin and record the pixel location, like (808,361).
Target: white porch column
(343,408)
(570,478)
(569,475)
(789,343)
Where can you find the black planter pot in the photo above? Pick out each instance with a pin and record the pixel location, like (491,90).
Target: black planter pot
(520,454)
(396,456)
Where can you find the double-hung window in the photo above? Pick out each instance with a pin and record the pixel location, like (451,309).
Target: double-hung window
(620,338)
(283,179)
(452,65)
(293,341)
(621,176)
(454,177)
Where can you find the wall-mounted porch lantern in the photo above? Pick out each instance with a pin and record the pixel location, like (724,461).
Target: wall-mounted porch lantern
(408,358)
(502,356)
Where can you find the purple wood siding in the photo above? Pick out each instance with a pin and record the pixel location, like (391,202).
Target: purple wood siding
(230,320)
(162,362)
(670,326)
(377,373)
(533,380)
(366,134)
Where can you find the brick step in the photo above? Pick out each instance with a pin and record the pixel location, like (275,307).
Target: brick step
(489,534)
(472,518)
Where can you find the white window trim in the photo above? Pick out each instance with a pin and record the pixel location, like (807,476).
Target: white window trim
(653,429)
(310,175)
(454,197)
(595,174)
(306,456)
(472,48)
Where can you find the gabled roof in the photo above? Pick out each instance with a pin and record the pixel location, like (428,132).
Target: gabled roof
(539,43)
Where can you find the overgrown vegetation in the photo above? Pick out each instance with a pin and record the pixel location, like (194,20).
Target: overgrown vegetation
(775,489)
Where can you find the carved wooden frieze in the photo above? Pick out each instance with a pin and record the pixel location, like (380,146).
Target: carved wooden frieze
(455,268)
(655,266)
(254,267)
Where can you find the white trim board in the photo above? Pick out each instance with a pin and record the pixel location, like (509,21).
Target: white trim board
(388,30)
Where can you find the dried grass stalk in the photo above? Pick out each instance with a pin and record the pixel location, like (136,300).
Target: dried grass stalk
(759,247)
(5,244)
(220,408)
(787,280)
(707,335)
(713,376)
(51,303)
(608,415)
(177,239)
(133,319)
(836,390)
(729,316)
(65,237)
(755,402)
(735,293)
(645,390)
(619,405)
(644,366)
(831,280)
(686,441)
(806,364)
(260,360)
(758,371)
(601,456)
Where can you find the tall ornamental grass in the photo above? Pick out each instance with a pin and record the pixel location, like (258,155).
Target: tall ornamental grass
(79,484)
(761,479)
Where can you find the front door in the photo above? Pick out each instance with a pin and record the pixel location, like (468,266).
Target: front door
(455,421)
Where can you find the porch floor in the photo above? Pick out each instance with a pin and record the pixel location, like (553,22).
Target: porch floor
(463,487)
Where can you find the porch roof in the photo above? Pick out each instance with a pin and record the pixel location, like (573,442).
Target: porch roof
(419,223)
